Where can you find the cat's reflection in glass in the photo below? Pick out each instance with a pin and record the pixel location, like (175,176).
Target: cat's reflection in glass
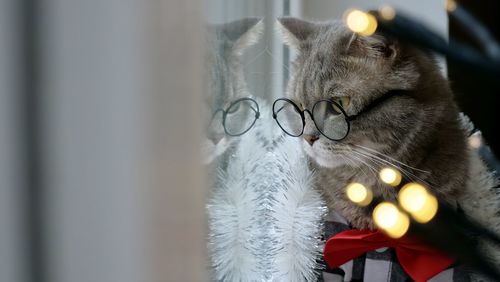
(229,110)
(236,119)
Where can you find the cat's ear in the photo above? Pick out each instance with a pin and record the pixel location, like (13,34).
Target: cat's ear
(294,31)
(243,33)
(375,46)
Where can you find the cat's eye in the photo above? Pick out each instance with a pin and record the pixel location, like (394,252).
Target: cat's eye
(342,101)
(233,108)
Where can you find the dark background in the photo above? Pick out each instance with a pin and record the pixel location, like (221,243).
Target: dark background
(477,95)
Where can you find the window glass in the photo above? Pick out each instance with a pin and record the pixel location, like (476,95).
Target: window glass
(265,217)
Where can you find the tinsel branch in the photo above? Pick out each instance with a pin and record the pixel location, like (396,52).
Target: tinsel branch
(265,218)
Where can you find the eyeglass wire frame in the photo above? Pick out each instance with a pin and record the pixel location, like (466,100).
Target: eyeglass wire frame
(224,115)
(347,118)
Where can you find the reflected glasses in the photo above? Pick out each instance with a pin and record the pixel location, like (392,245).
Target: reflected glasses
(328,116)
(239,116)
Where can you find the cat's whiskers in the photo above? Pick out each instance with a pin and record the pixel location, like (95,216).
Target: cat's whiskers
(347,160)
(266,50)
(274,58)
(370,167)
(347,154)
(388,157)
(379,161)
(404,171)
(374,165)
(412,176)
(344,154)
(265,73)
(249,62)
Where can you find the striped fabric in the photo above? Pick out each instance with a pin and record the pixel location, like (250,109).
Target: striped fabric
(378,265)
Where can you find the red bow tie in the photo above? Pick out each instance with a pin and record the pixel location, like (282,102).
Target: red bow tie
(420,261)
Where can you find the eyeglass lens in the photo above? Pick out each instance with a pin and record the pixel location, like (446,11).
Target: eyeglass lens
(330,120)
(240,116)
(288,117)
(328,117)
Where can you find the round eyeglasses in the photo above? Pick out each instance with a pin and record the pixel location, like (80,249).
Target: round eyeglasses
(328,116)
(239,116)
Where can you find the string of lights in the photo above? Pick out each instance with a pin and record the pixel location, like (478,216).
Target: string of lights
(417,210)
(406,29)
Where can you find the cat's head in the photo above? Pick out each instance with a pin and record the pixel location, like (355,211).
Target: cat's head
(224,78)
(356,71)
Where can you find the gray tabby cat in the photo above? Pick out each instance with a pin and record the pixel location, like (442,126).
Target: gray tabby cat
(415,129)
(224,78)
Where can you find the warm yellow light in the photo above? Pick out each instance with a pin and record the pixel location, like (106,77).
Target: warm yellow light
(391,220)
(390,176)
(428,211)
(475,141)
(400,228)
(387,12)
(361,22)
(450,5)
(412,197)
(416,200)
(359,194)
(385,215)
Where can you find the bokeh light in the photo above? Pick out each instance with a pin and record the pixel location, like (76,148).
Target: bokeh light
(428,211)
(475,141)
(385,215)
(360,22)
(450,5)
(359,194)
(415,199)
(390,176)
(412,197)
(387,12)
(391,220)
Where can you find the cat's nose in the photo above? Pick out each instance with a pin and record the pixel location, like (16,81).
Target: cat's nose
(311,139)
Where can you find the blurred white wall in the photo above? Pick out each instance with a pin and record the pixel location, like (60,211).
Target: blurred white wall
(124,200)
(92,82)
(12,248)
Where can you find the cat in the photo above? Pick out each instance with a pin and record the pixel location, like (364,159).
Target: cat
(224,78)
(408,118)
